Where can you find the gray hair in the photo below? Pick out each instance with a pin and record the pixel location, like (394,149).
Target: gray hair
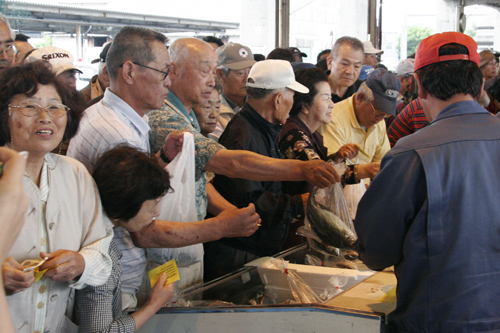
(355,43)
(260,93)
(179,49)
(3,20)
(224,69)
(367,92)
(132,44)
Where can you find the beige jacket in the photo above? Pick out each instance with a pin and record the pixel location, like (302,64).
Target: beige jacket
(74,220)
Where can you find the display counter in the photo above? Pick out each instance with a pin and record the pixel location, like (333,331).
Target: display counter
(226,303)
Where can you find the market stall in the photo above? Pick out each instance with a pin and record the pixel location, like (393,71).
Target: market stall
(256,298)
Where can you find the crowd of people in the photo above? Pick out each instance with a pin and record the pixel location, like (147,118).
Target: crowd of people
(85,172)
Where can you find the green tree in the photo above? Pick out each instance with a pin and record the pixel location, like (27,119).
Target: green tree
(471,32)
(415,34)
(47,41)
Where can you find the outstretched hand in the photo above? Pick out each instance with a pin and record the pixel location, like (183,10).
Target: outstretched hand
(239,222)
(319,173)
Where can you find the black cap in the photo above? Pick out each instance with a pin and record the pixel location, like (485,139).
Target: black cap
(102,55)
(295,51)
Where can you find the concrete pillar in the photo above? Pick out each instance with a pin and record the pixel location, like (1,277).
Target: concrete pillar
(447,18)
(257,28)
(78,39)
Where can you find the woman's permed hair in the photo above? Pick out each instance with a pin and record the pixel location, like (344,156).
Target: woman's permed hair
(24,79)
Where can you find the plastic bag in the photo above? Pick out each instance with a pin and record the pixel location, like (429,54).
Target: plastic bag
(180,205)
(335,261)
(334,287)
(301,291)
(328,225)
(353,194)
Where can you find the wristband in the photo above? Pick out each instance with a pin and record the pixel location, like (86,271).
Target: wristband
(163,156)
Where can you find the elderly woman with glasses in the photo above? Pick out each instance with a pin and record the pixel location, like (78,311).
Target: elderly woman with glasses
(64,224)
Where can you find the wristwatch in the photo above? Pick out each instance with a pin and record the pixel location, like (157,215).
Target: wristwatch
(163,156)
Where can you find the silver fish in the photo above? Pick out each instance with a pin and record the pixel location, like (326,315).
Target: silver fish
(328,226)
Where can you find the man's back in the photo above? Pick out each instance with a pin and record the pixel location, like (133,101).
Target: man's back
(442,235)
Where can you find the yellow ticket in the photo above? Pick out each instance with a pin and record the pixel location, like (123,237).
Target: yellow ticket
(39,273)
(169,268)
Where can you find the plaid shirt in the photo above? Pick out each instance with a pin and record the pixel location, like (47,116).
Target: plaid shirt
(100,308)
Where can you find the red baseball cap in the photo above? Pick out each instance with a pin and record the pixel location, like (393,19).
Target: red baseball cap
(428,49)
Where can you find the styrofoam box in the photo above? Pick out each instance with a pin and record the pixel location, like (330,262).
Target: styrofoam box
(316,276)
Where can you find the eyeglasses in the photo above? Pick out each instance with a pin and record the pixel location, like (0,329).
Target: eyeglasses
(10,49)
(31,109)
(379,113)
(163,72)
(492,63)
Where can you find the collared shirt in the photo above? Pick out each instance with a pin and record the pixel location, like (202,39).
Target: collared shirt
(105,125)
(344,128)
(169,118)
(228,102)
(176,102)
(350,91)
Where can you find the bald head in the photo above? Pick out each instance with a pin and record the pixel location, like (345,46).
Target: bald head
(193,70)
(183,49)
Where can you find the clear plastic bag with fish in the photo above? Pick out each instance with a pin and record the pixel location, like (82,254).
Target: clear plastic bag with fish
(328,225)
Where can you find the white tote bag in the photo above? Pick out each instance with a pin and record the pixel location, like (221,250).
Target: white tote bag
(179,205)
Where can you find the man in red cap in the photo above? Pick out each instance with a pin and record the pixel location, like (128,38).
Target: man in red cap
(432,210)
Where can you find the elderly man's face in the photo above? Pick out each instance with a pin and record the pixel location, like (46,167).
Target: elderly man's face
(286,102)
(234,84)
(490,69)
(345,69)
(368,113)
(197,75)
(8,56)
(68,78)
(152,85)
(371,59)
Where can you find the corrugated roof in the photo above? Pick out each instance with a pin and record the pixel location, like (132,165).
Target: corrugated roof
(30,16)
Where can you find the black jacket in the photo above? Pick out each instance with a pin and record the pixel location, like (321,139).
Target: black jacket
(249,131)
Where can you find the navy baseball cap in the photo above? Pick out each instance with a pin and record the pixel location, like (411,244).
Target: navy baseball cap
(385,87)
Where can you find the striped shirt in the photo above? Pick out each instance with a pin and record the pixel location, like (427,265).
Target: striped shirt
(408,121)
(105,125)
